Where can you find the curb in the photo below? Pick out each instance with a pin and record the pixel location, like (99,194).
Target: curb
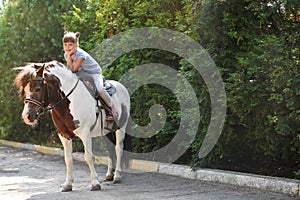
(39,148)
(274,184)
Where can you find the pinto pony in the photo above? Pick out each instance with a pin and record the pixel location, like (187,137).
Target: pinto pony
(75,112)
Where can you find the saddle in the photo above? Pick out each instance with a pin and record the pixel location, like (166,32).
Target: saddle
(90,86)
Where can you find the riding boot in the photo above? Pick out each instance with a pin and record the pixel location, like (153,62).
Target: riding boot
(112,113)
(111,116)
(106,97)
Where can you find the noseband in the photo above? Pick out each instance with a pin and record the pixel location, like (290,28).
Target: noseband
(42,105)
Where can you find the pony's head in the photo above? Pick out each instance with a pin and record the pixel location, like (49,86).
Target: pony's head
(32,87)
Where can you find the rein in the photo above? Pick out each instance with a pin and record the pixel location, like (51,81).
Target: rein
(44,108)
(57,103)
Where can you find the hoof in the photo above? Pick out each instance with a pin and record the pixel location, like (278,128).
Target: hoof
(117,180)
(96,187)
(67,188)
(109,178)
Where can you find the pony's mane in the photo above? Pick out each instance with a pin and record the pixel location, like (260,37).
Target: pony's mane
(28,72)
(60,70)
(23,77)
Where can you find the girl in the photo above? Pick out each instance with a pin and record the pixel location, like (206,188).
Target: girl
(81,63)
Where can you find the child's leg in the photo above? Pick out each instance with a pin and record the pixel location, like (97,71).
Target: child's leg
(98,80)
(105,96)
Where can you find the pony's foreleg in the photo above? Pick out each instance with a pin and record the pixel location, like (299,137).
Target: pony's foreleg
(67,186)
(120,136)
(88,156)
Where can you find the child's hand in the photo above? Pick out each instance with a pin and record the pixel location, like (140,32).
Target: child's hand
(73,52)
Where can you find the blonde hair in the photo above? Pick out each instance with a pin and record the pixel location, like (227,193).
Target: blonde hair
(71,37)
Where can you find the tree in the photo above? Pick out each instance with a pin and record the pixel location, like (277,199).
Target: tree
(255,44)
(30,31)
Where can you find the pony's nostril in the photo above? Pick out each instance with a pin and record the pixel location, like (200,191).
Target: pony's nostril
(30,117)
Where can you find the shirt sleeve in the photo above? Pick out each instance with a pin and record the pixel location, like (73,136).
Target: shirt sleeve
(80,54)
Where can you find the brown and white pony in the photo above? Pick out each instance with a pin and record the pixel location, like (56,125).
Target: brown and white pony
(52,86)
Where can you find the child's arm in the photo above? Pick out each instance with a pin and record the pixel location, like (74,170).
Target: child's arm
(76,66)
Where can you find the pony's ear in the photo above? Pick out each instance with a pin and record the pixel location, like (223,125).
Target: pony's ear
(36,66)
(40,71)
(65,32)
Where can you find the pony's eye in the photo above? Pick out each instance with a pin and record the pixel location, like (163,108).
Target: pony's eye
(37,89)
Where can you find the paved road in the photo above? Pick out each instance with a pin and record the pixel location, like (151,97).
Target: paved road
(27,174)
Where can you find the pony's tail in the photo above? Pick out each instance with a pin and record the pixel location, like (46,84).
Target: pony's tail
(128,138)
(127,151)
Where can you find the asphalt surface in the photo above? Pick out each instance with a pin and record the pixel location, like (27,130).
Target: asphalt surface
(28,174)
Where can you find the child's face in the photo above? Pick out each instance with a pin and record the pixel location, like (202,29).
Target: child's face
(69,47)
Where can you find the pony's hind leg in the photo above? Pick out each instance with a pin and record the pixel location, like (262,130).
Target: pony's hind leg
(67,186)
(120,136)
(88,156)
(109,174)
(110,140)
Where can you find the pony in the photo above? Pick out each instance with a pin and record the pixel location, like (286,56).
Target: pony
(75,112)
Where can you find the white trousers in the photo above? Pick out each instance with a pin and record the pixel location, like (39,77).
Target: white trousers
(98,80)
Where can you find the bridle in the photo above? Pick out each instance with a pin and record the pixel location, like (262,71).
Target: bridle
(43,105)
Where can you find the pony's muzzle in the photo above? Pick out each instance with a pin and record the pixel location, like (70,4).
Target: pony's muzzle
(30,118)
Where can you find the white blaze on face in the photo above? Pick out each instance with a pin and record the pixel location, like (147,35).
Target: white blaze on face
(25,114)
